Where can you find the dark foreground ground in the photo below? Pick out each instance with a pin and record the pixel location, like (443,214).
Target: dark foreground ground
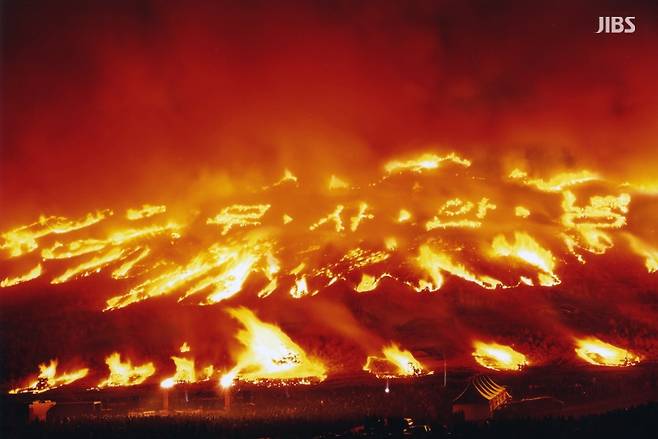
(546,403)
(636,422)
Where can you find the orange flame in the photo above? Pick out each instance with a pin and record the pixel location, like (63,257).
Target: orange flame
(423,163)
(498,357)
(48,379)
(185,371)
(269,354)
(402,360)
(23,239)
(557,182)
(30,275)
(648,252)
(600,353)
(436,263)
(124,373)
(526,249)
(146,211)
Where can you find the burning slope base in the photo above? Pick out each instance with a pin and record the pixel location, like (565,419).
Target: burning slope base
(269,354)
(395,363)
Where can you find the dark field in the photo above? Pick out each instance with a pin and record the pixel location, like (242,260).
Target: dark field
(547,402)
(637,422)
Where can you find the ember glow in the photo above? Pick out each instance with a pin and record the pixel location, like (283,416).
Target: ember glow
(498,357)
(49,379)
(600,353)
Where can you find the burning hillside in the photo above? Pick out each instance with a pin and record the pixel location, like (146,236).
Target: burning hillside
(353,238)
(253,239)
(198,203)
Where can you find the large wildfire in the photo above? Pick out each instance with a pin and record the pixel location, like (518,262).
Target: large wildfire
(275,246)
(263,244)
(198,203)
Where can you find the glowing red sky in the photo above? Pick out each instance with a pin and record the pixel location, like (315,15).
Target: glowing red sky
(100,97)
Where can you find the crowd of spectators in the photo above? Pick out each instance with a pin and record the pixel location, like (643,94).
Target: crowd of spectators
(638,422)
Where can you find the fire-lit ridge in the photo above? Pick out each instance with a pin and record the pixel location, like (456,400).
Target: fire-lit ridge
(498,357)
(146,211)
(424,162)
(600,353)
(48,379)
(150,255)
(93,265)
(220,271)
(395,363)
(24,239)
(118,238)
(557,182)
(269,354)
(124,373)
(239,215)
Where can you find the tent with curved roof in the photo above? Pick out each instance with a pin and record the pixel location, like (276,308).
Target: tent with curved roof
(481,397)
